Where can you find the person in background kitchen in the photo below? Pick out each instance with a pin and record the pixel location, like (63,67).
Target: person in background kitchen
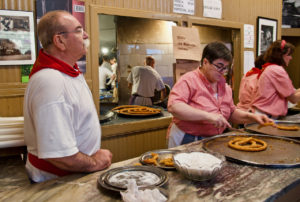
(248,84)
(274,87)
(105,75)
(61,126)
(201,102)
(143,81)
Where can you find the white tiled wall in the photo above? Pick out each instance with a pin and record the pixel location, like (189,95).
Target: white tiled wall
(135,54)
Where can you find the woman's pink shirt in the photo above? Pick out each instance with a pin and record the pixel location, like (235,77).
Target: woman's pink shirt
(195,90)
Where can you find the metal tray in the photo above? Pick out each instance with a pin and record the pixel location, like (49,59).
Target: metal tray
(117,178)
(162,154)
(137,115)
(101,183)
(281,152)
(106,117)
(270,130)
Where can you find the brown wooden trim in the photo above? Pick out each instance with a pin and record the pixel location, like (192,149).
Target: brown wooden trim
(290,32)
(134,127)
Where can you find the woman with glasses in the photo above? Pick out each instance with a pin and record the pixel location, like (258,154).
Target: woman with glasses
(274,87)
(201,102)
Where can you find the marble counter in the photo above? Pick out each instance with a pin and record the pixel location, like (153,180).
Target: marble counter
(236,182)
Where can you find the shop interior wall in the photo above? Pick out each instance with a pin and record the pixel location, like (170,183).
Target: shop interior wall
(243,11)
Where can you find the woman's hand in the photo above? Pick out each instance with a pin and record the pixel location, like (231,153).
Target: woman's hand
(218,121)
(260,118)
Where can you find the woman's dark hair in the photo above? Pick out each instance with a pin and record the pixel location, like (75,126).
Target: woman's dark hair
(259,61)
(216,50)
(277,49)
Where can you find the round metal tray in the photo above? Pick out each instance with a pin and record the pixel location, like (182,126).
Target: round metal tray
(130,172)
(281,152)
(270,130)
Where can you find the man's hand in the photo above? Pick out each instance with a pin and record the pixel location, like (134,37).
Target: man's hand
(103,159)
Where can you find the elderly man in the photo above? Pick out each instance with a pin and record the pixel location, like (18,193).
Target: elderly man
(61,126)
(143,81)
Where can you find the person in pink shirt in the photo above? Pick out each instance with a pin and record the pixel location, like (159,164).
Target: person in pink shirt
(201,102)
(274,87)
(248,84)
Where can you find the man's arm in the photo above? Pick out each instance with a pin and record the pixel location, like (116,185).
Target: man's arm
(163,94)
(81,162)
(130,86)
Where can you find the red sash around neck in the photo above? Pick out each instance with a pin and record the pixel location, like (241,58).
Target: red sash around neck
(254,70)
(264,67)
(47,61)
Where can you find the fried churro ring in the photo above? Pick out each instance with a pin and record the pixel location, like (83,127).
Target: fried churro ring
(152,160)
(280,127)
(247,144)
(167,162)
(124,107)
(139,110)
(289,128)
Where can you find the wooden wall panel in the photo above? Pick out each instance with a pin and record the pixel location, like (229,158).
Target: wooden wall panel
(129,146)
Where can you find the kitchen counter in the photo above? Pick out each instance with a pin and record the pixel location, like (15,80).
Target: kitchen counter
(236,182)
(128,137)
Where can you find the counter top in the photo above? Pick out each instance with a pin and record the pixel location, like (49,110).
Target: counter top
(120,125)
(236,182)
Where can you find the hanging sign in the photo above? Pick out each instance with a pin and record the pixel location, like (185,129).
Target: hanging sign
(186,43)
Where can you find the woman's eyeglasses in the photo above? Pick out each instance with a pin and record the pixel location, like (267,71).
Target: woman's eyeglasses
(220,68)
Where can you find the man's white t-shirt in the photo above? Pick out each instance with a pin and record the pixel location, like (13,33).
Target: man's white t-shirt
(145,80)
(60,118)
(104,73)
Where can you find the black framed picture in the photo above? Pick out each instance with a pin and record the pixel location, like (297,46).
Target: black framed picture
(266,33)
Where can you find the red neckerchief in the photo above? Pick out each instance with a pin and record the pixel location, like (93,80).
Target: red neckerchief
(254,70)
(264,67)
(47,61)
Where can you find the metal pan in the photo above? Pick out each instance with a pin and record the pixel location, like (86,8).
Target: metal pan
(101,183)
(270,130)
(281,152)
(162,154)
(106,117)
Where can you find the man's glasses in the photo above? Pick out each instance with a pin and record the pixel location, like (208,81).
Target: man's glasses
(220,68)
(78,30)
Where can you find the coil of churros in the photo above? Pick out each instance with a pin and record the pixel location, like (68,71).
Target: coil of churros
(247,144)
(281,127)
(136,110)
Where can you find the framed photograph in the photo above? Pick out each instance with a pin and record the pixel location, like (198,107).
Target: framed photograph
(17,38)
(266,33)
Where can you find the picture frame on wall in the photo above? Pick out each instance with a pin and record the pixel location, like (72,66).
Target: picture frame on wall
(266,33)
(17,38)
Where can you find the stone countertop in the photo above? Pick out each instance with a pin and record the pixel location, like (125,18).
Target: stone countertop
(236,182)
